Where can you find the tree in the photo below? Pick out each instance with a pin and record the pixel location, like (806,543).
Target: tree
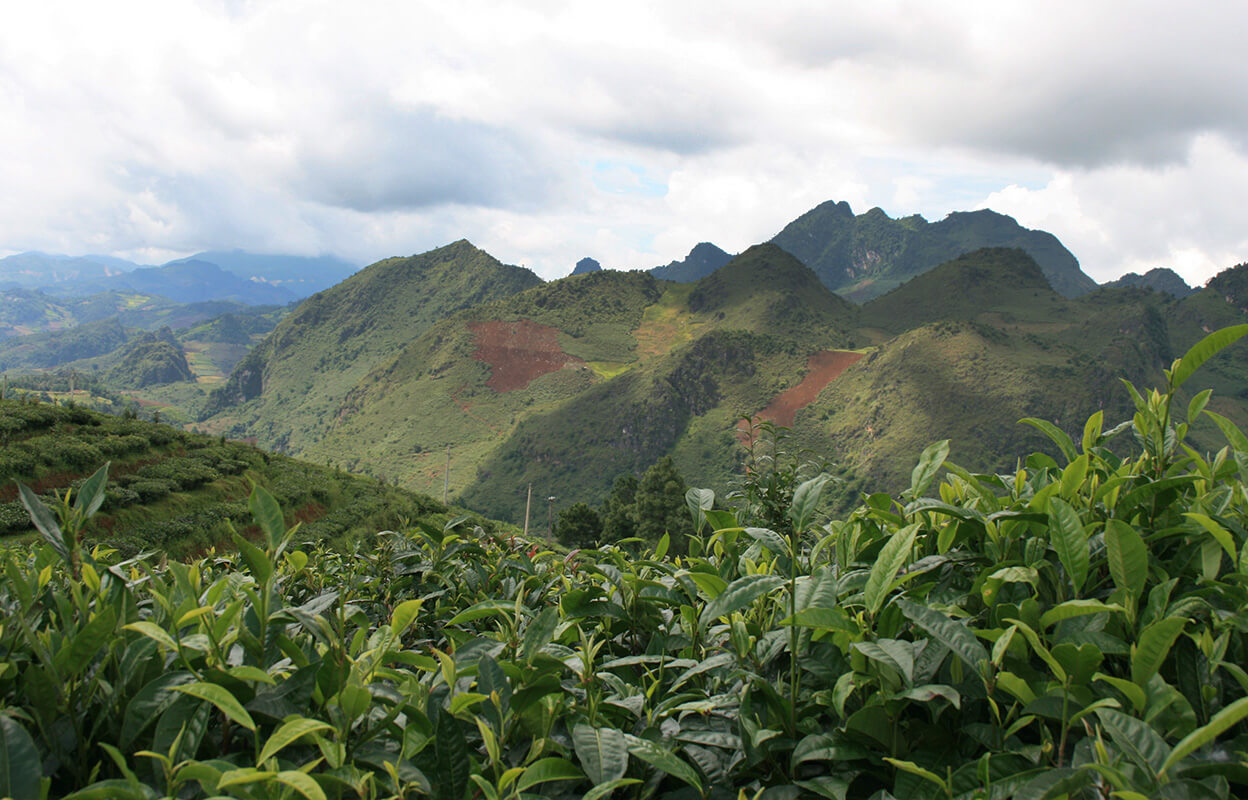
(619,510)
(661,505)
(579,526)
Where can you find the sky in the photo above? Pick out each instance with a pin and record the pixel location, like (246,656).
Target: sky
(545,132)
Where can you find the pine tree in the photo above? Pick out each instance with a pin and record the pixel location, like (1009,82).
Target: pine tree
(661,504)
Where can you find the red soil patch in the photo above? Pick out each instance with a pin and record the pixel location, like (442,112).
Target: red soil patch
(518,352)
(824,367)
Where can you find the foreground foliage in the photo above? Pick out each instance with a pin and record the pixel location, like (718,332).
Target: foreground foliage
(1074,629)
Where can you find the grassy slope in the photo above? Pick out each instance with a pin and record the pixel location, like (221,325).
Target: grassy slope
(432,396)
(288,390)
(999,286)
(176,490)
(743,335)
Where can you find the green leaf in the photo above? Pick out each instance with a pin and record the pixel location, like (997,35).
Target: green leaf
(44,521)
(915,769)
(451,759)
(149,703)
(708,582)
(539,633)
(656,756)
(1137,739)
(604,789)
(1076,608)
(1059,437)
(924,472)
(1220,534)
(113,789)
(893,556)
(220,697)
(301,783)
(153,631)
(1069,540)
(740,593)
(1132,692)
(88,641)
(1204,350)
(957,637)
(91,493)
(288,733)
(1127,555)
(1092,430)
(806,500)
(268,515)
(404,615)
(485,608)
(699,501)
(1197,405)
(769,539)
(603,752)
(1200,737)
(1233,435)
(20,764)
(1154,645)
(546,770)
(256,559)
(1074,475)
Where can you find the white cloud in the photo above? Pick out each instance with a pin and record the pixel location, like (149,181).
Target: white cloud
(379,127)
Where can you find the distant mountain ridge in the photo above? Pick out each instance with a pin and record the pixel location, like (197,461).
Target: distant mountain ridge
(184,282)
(702,260)
(256,279)
(1161,279)
(862,256)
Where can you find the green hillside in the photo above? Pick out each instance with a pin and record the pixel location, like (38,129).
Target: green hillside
(865,255)
(570,383)
(288,389)
(994,285)
(176,491)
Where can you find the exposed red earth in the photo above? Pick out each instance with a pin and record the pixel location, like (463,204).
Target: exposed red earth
(518,352)
(824,367)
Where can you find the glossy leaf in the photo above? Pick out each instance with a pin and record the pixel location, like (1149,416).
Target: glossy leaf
(893,556)
(290,732)
(222,699)
(739,594)
(20,764)
(953,635)
(1153,647)
(1127,556)
(1204,350)
(1069,539)
(603,752)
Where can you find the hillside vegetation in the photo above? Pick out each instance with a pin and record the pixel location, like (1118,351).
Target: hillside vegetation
(290,387)
(179,491)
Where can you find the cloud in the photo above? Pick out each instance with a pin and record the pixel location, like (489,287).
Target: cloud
(1132,218)
(383,127)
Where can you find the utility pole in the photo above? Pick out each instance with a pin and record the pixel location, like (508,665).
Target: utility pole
(446,476)
(528,501)
(550,515)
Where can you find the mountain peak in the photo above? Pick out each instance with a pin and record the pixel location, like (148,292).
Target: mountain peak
(1160,279)
(866,255)
(586,265)
(702,260)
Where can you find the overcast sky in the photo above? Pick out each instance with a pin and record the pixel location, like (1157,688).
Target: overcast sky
(548,131)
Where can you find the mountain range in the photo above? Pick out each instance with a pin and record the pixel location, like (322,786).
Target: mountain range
(863,343)
(235,275)
(567,384)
